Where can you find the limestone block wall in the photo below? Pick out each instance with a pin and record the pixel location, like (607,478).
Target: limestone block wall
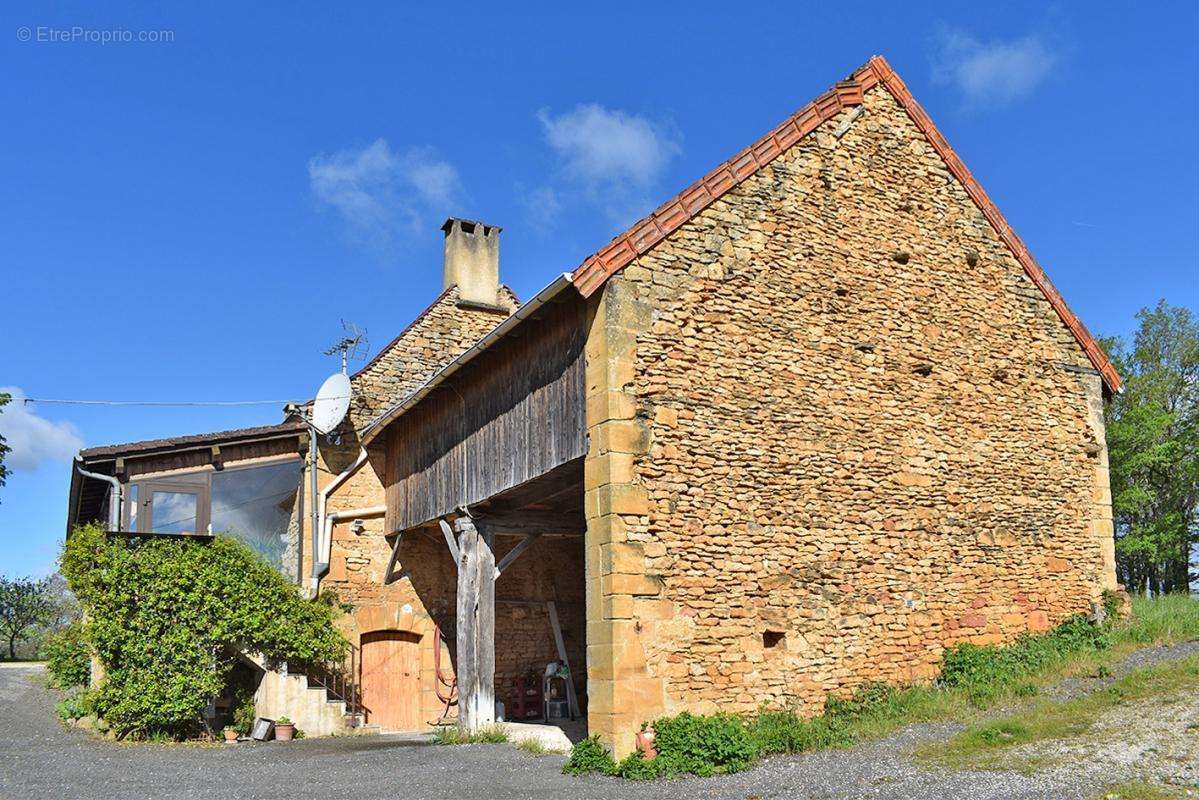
(835,429)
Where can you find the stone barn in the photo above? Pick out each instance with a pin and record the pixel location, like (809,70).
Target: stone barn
(812,421)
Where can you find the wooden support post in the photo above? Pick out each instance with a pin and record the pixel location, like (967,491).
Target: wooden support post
(476,626)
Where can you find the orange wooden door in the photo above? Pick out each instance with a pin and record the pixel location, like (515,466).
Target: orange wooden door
(391,679)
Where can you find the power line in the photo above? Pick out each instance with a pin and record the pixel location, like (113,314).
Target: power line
(163,403)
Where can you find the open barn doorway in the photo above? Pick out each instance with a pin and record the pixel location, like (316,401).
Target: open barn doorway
(540,604)
(527,629)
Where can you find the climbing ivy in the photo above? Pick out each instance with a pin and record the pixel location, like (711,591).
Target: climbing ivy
(167,618)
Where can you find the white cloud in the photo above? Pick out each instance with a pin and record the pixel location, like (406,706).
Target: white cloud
(607,157)
(381,192)
(992,73)
(541,204)
(34,440)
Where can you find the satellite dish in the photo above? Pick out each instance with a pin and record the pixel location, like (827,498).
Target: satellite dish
(332,402)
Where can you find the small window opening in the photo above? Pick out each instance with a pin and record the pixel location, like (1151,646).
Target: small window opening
(772,639)
(468,227)
(923,370)
(842,292)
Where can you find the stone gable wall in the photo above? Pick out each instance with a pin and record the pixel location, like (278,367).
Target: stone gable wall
(435,338)
(835,429)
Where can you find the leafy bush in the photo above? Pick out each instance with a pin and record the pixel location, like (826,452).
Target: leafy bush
(167,618)
(589,756)
(702,745)
(68,659)
(245,713)
(72,707)
(984,671)
(634,767)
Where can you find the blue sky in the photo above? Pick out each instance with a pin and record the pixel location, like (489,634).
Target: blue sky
(192,218)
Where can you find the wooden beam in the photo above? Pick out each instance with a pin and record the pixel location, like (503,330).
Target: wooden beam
(389,574)
(449,540)
(475,641)
(512,554)
(531,521)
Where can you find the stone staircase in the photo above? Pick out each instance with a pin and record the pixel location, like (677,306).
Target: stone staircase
(310,704)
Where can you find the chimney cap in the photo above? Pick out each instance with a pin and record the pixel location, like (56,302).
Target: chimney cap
(469,225)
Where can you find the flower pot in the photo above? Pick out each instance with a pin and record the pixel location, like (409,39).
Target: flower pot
(645,743)
(284,731)
(230,735)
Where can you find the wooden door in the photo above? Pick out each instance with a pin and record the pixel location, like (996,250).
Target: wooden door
(391,680)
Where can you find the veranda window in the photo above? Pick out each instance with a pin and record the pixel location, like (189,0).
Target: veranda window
(256,503)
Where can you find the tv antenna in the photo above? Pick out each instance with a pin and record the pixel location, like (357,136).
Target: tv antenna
(351,346)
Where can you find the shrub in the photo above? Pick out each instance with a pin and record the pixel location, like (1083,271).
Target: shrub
(589,756)
(984,671)
(245,713)
(68,659)
(167,618)
(775,732)
(634,767)
(72,707)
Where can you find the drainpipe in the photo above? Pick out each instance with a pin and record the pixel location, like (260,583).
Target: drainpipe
(327,531)
(313,523)
(114,506)
(322,536)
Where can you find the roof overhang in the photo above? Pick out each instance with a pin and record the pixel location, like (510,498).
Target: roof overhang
(559,285)
(201,441)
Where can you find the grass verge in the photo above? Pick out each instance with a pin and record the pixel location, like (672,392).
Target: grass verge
(983,745)
(1145,791)
(452,734)
(534,747)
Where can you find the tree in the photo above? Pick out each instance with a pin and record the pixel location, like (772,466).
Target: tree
(1153,448)
(4,448)
(25,603)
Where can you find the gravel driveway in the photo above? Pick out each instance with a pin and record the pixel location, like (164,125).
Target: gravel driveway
(41,759)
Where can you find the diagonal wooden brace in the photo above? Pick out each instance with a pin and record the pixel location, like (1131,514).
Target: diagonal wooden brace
(390,576)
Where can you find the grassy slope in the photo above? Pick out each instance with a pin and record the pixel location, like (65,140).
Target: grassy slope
(980,745)
(1159,621)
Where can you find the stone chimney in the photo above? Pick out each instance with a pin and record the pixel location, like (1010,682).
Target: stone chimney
(472,261)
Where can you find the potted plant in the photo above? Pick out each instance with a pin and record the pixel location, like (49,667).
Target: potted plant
(285,729)
(231,734)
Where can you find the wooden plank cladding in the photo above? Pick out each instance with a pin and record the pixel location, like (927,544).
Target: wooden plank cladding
(514,413)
